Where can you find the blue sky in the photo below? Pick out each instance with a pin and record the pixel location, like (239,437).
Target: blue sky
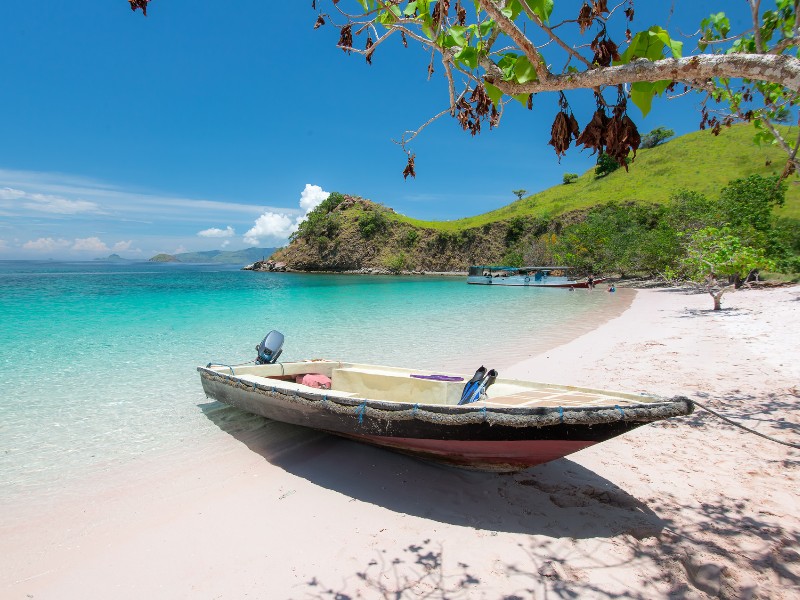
(205,122)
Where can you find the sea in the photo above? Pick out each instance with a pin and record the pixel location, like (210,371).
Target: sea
(98,359)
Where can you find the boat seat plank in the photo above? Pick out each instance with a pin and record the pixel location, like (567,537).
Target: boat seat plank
(291,385)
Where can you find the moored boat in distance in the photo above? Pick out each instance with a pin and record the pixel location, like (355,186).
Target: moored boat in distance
(482,422)
(551,277)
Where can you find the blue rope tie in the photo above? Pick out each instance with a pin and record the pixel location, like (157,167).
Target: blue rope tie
(483,412)
(273,389)
(622,412)
(414,410)
(324,397)
(561,413)
(362,408)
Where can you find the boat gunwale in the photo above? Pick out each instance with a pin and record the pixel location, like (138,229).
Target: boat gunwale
(640,412)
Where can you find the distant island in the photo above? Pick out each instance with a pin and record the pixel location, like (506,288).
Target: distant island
(231,257)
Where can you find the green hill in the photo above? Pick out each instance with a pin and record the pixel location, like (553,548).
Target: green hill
(347,233)
(697,161)
(232,257)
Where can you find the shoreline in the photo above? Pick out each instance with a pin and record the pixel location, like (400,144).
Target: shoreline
(689,507)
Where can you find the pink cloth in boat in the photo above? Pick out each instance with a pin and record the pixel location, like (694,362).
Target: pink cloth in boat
(315,380)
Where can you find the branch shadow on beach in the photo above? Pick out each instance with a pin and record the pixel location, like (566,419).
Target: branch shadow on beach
(540,500)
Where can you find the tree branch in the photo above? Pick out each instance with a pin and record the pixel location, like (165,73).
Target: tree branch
(520,39)
(780,69)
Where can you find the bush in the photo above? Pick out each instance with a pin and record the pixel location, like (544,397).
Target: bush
(410,238)
(515,229)
(371,223)
(513,258)
(606,164)
(656,137)
(396,262)
(570,178)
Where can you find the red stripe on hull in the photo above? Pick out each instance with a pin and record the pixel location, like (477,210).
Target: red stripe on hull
(493,455)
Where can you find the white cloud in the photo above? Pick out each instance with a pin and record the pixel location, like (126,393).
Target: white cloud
(46,202)
(90,244)
(46,244)
(279,226)
(312,196)
(122,246)
(270,225)
(217,233)
(225,244)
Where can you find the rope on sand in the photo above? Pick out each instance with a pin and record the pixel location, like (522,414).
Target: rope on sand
(747,429)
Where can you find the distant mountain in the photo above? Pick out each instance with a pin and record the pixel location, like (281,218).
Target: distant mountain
(164,258)
(113,258)
(234,257)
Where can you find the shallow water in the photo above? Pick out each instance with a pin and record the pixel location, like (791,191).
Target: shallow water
(97,360)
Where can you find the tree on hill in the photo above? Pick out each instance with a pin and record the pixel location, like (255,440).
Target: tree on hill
(658,136)
(519,193)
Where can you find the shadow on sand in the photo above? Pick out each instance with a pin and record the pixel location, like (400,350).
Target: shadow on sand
(546,499)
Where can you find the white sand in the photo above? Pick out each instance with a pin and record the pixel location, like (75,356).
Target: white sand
(689,508)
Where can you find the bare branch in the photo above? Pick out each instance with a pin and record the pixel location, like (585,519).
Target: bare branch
(781,69)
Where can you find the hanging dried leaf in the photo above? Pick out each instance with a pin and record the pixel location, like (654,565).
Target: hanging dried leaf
(409,170)
(481,100)
(494,118)
(585,17)
(461,14)
(599,7)
(605,51)
(594,135)
(369,50)
(564,130)
(320,22)
(440,10)
(530,101)
(139,4)
(403,39)
(345,39)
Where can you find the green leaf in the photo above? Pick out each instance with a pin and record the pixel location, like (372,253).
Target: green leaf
(524,71)
(468,56)
(506,64)
(542,8)
(650,44)
(522,99)
(494,93)
(455,37)
(410,9)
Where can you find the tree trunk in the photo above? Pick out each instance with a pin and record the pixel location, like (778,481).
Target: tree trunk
(717,296)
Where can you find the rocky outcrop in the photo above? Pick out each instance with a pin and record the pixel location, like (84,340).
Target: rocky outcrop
(266,265)
(355,235)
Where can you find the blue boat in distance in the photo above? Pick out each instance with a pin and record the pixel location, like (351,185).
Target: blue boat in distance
(550,277)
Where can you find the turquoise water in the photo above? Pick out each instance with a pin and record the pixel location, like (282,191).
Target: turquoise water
(97,360)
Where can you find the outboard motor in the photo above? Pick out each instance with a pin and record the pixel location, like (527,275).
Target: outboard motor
(270,348)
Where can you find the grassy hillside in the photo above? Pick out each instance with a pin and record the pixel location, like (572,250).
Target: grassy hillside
(697,161)
(348,233)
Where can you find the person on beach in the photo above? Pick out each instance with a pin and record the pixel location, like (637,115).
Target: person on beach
(611,288)
(590,282)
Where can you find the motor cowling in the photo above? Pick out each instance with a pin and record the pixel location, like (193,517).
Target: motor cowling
(270,348)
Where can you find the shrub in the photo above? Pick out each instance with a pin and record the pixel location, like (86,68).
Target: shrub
(570,178)
(410,238)
(371,223)
(395,262)
(656,137)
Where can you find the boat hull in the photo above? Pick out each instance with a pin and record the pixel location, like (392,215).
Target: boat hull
(498,439)
(520,281)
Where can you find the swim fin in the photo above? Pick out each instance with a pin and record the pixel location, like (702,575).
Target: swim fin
(472,385)
(480,389)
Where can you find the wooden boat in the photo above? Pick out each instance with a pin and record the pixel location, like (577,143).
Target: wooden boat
(516,424)
(538,277)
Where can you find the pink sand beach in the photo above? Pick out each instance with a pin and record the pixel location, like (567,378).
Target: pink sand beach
(687,508)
